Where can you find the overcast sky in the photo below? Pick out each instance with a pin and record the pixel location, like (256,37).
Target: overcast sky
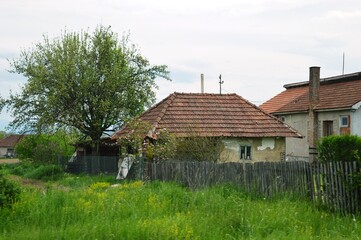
(257,45)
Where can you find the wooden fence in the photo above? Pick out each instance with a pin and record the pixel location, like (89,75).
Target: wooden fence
(326,184)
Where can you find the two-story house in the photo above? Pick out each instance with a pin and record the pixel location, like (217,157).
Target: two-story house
(328,105)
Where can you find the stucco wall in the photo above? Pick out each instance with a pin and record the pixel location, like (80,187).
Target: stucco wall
(299,147)
(356,122)
(3,151)
(331,116)
(263,149)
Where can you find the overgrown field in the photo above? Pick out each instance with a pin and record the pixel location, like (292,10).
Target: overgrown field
(91,208)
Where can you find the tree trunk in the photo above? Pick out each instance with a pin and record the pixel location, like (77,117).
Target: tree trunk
(95,159)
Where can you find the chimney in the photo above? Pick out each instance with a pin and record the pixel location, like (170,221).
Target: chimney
(313,98)
(202,83)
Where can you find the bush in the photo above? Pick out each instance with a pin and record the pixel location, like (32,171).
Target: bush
(9,192)
(45,172)
(340,148)
(197,148)
(20,169)
(45,148)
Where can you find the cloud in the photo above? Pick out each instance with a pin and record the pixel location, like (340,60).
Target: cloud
(337,15)
(257,46)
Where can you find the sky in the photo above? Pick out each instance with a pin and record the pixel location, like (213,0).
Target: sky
(256,45)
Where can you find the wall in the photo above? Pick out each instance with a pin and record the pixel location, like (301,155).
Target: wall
(296,147)
(356,121)
(331,116)
(263,149)
(3,151)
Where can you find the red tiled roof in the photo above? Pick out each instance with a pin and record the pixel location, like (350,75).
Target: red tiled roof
(229,115)
(284,98)
(341,92)
(11,141)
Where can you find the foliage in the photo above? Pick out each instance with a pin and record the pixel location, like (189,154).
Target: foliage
(163,148)
(139,139)
(34,171)
(133,141)
(9,192)
(2,134)
(340,148)
(19,169)
(158,210)
(45,172)
(166,146)
(45,148)
(89,82)
(199,148)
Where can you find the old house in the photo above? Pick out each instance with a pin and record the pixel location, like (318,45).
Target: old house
(248,132)
(318,108)
(7,145)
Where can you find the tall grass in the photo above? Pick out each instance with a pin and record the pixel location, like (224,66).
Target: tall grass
(157,210)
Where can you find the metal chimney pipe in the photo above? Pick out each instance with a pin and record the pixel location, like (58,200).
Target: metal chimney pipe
(314,99)
(202,83)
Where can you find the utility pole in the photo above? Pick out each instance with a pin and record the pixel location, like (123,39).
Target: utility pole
(220,83)
(343,63)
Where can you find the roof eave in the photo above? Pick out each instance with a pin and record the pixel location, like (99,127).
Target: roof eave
(348,108)
(351,76)
(291,112)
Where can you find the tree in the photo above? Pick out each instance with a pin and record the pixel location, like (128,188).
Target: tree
(89,82)
(2,134)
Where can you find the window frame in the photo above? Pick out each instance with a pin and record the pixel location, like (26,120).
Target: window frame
(247,152)
(341,121)
(326,124)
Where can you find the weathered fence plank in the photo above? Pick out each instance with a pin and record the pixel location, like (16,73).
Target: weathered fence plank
(326,184)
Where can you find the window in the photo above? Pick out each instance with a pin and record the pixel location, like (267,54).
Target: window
(327,128)
(245,152)
(344,121)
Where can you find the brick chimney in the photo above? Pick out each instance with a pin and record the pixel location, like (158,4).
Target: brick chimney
(314,99)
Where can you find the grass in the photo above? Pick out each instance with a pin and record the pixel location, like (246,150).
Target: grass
(90,208)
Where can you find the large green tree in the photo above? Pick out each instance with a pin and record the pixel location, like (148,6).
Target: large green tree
(92,82)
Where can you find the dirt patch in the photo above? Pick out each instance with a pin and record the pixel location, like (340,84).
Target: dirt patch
(28,182)
(9,160)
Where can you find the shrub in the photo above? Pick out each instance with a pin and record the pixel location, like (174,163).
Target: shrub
(45,172)
(340,148)
(45,148)
(9,192)
(20,169)
(167,146)
(163,148)
(197,148)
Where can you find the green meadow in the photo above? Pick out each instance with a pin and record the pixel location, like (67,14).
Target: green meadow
(84,207)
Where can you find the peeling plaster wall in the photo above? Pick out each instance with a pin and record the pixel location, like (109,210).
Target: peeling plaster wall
(267,143)
(263,149)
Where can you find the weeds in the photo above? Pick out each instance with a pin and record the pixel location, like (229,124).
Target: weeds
(94,208)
